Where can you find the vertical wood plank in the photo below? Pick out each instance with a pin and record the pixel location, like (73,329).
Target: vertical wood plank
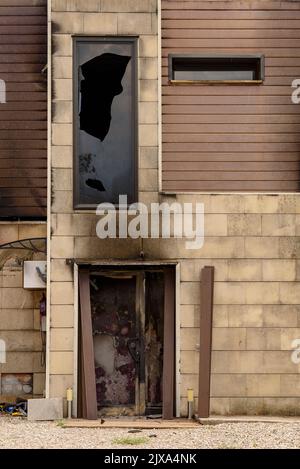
(169,345)
(206,315)
(89,397)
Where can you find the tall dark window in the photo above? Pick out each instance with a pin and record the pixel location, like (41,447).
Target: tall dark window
(104,121)
(191,68)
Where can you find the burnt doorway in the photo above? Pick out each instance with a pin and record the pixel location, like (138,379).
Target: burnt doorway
(127,309)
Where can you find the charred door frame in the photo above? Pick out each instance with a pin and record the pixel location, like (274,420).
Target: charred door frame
(173,406)
(134,118)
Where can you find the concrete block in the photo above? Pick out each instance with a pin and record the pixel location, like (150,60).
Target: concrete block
(100,23)
(148,180)
(148,68)
(62,293)
(148,46)
(261,203)
(61,363)
(45,409)
(258,293)
(62,179)
(62,45)
(148,112)
(62,316)
(39,383)
(62,112)
(256,247)
(244,270)
(134,23)
(148,90)
(149,157)
(279,225)
(61,339)
(244,224)
(148,135)
(62,67)
(62,157)
(62,246)
(71,22)
(279,270)
(134,6)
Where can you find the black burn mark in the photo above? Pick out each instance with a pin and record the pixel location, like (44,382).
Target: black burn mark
(95,184)
(102,82)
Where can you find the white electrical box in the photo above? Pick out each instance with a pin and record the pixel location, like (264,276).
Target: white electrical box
(34,275)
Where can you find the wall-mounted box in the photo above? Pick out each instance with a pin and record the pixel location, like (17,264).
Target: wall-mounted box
(34,275)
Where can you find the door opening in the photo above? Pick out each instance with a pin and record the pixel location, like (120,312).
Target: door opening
(127,319)
(128,312)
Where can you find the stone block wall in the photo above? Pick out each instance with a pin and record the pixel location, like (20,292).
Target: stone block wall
(19,309)
(251,239)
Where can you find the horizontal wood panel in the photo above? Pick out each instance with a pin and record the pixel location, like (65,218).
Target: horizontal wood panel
(36,212)
(231,33)
(23,118)
(23,182)
(23,125)
(23,39)
(231,186)
(211,166)
(21,3)
(230,147)
(240,157)
(23,48)
(12,30)
(228,43)
(22,21)
(6,202)
(271,52)
(23,153)
(23,163)
(194,14)
(256,5)
(230,24)
(229,128)
(231,100)
(22,11)
(232,175)
(21,115)
(222,90)
(230,109)
(22,135)
(23,144)
(231,138)
(231,119)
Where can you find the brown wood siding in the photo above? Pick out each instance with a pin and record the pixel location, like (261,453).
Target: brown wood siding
(23,118)
(232,137)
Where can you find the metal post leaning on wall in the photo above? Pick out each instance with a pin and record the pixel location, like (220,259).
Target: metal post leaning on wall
(206,317)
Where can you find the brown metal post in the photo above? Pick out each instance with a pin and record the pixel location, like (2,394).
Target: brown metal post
(169,345)
(89,397)
(206,315)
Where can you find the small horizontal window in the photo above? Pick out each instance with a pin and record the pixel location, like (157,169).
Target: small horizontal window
(216,69)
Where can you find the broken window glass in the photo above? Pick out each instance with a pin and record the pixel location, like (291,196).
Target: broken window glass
(105,121)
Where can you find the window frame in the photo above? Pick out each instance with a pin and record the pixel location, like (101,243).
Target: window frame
(173,81)
(133,40)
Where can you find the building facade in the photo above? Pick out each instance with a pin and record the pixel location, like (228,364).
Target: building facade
(186,102)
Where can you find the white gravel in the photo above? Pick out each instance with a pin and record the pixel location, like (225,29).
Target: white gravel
(19,433)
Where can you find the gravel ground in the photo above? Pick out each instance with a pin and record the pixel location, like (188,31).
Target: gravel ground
(18,433)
